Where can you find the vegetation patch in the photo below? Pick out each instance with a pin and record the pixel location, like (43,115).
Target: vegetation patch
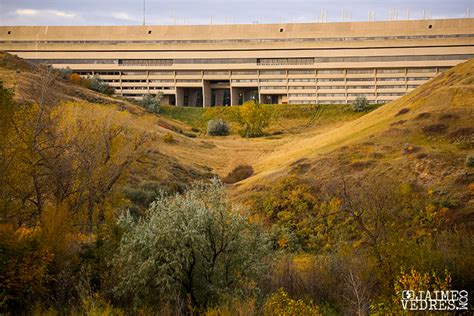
(361,165)
(423,116)
(463,135)
(218,127)
(401,122)
(253,118)
(448,116)
(470,161)
(169,138)
(402,111)
(410,149)
(434,129)
(239,173)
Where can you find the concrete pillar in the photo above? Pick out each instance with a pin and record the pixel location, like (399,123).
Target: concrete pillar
(220,97)
(180,96)
(234,96)
(165,100)
(192,97)
(206,94)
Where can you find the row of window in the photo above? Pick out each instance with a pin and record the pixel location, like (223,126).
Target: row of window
(330,101)
(291,95)
(262,72)
(257,61)
(256,40)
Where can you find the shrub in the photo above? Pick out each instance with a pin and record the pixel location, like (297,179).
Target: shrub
(190,135)
(152,102)
(192,246)
(65,72)
(402,111)
(239,173)
(168,138)
(470,160)
(434,129)
(281,304)
(98,85)
(254,118)
(75,78)
(217,128)
(360,104)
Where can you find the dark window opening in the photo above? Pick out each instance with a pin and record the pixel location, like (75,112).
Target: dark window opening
(281,30)
(149,32)
(430,26)
(9,32)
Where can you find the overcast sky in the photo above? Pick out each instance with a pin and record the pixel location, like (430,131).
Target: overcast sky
(117,12)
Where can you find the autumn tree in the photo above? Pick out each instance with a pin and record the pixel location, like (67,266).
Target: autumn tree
(254,118)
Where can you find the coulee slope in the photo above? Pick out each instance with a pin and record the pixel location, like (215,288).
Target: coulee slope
(422,138)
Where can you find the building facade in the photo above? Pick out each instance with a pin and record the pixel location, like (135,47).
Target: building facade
(208,65)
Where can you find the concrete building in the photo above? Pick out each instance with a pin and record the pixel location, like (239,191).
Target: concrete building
(207,65)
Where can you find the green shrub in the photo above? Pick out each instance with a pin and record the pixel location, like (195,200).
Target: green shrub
(97,84)
(281,304)
(152,102)
(239,173)
(168,138)
(217,128)
(360,104)
(192,246)
(254,118)
(470,160)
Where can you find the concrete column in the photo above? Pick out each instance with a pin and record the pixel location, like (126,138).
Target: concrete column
(206,94)
(219,97)
(192,98)
(180,96)
(234,96)
(165,100)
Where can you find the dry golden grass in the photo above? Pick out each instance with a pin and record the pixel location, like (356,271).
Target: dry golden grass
(451,91)
(271,157)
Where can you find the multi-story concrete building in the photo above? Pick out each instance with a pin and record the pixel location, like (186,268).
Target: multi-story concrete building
(207,65)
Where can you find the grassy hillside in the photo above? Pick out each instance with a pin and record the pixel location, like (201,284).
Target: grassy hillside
(422,138)
(343,210)
(161,164)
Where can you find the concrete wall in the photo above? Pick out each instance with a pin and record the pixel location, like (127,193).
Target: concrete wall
(428,45)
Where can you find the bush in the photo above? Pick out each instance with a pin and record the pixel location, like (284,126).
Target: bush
(152,102)
(168,138)
(99,85)
(65,73)
(402,111)
(190,135)
(239,173)
(189,246)
(434,129)
(217,128)
(360,104)
(470,160)
(254,118)
(280,303)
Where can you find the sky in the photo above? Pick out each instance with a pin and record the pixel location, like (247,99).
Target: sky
(158,12)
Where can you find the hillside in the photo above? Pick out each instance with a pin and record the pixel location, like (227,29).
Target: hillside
(101,212)
(422,138)
(161,164)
